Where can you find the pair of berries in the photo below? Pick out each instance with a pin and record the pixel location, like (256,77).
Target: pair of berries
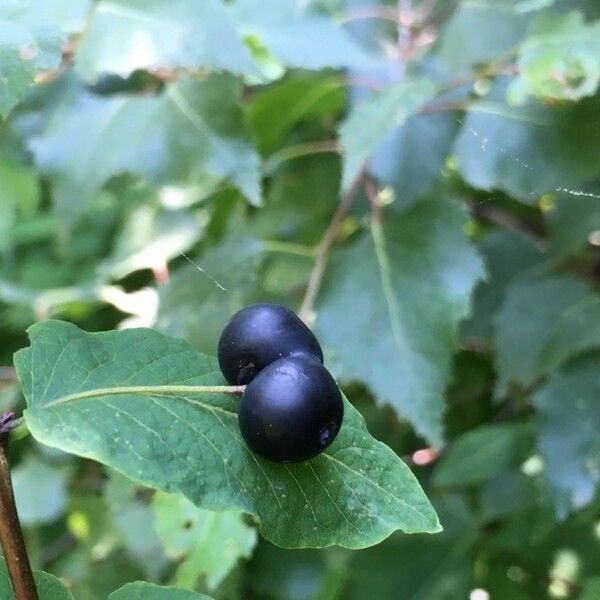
(292,408)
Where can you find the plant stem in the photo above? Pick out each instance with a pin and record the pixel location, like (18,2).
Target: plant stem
(11,535)
(316,277)
(299,150)
(152,389)
(289,248)
(372,194)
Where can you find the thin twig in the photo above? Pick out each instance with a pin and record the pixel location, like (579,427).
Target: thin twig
(11,536)
(302,149)
(371,12)
(373,195)
(452,106)
(306,311)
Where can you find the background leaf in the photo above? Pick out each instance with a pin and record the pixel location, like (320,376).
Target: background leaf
(182,133)
(530,150)
(149,591)
(567,438)
(48,586)
(127,35)
(206,543)
(368,125)
(406,331)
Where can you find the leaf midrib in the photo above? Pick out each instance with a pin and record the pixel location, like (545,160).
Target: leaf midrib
(147,390)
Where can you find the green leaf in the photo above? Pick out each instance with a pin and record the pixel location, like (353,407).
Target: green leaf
(509,256)
(483,453)
(133,517)
(480,32)
(372,120)
(355,494)
(126,35)
(279,574)
(571,221)
(192,132)
(19,196)
(205,543)
(563,316)
(568,420)
(529,150)
(412,158)
(559,59)
(31,33)
(275,111)
(591,589)
(201,297)
(48,586)
(298,37)
(419,567)
(16,75)
(149,591)
(40,492)
(407,286)
(510,492)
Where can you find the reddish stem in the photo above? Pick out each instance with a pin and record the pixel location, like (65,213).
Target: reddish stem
(11,536)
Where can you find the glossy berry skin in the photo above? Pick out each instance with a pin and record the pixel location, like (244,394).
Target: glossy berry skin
(292,410)
(258,335)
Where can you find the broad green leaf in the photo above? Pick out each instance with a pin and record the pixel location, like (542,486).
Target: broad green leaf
(371,121)
(568,420)
(559,59)
(529,150)
(411,159)
(406,286)
(48,586)
(355,494)
(40,491)
(480,31)
(562,320)
(205,543)
(509,255)
(572,220)
(149,591)
(31,33)
(125,35)
(192,132)
(483,453)
(298,37)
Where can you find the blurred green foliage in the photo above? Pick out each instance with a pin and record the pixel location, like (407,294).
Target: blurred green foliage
(164,164)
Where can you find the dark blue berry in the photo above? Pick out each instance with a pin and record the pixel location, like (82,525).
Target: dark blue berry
(258,335)
(292,410)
